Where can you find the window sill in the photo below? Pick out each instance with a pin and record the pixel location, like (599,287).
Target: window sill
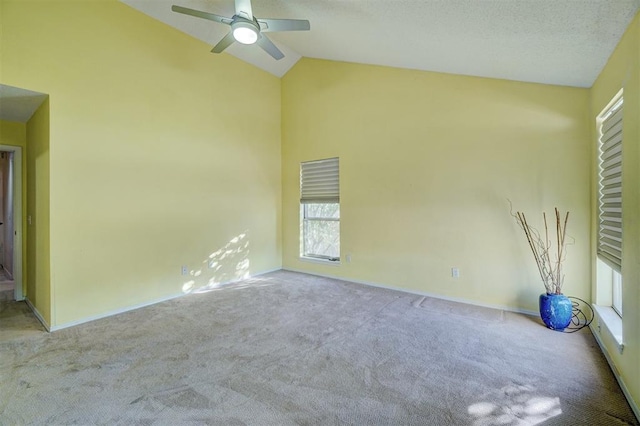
(319,261)
(612,322)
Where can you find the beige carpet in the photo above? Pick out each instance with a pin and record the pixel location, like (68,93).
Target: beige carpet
(289,348)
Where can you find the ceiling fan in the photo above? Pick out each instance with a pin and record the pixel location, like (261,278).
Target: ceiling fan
(246,28)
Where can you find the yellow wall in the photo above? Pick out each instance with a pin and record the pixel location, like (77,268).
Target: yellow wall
(15,134)
(153,153)
(161,154)
(38,208)
(427,163)
(623,72)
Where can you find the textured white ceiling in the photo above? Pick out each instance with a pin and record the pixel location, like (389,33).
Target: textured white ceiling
(565,42)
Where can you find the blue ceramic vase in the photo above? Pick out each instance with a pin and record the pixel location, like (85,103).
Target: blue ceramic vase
(555,311)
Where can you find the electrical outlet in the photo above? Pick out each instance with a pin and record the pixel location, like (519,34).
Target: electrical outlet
(348,258)
(185,270)
(455,272)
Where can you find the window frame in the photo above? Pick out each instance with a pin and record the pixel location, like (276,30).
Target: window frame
(608,242)
(612,281)
(319,184)
(305,218)
(616,290)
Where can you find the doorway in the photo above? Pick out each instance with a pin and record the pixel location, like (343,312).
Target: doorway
(11,222)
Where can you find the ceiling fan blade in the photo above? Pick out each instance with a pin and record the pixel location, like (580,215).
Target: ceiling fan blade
(270,48)
(243,8)
(203,15)
(268,25)
(224,43)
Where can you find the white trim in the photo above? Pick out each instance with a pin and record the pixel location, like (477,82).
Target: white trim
(319,261)
(115,312)
(268,271)
(37,314)
(603,114)
(614,369)
(612,322)
(144,304)
(17,218)
(422,293)
(616,290)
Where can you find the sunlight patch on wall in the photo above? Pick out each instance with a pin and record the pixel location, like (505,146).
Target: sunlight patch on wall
(224,266)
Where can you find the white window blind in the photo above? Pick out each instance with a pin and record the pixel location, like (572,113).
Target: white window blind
(610,188)
(319,181)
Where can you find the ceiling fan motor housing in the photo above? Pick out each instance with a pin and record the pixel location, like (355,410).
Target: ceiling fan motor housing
(244,30)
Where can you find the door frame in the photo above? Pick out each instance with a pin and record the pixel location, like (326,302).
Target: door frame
(17,218)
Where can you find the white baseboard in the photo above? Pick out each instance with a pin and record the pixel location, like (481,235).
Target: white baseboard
(37,314)
(422,293)
(115,312)
(142,305)
(259,273)
(614,369)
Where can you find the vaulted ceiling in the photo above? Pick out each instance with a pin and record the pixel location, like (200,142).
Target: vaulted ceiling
(564,42)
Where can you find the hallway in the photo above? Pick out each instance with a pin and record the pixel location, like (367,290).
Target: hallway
(6,287)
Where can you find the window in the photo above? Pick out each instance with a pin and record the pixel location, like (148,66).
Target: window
(320,210)
(610,196)
(616,281)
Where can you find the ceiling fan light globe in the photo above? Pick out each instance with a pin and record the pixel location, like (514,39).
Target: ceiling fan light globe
(245,34)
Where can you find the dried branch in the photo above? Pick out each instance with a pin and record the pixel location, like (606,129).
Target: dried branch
(550,271)
(527,231)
